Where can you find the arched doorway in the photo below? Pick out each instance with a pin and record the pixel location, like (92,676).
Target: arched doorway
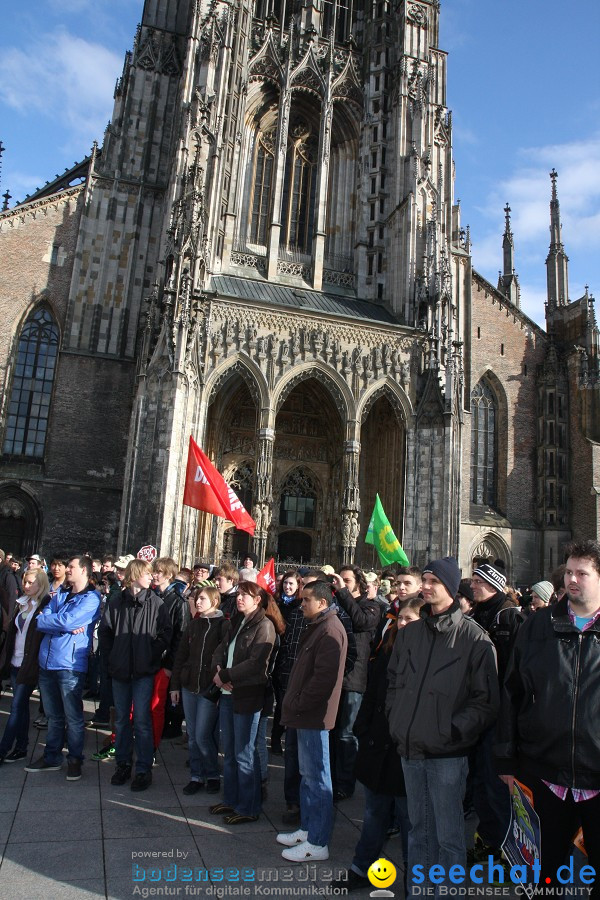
(20,521)
(307,474)
(382,467)
(230,443)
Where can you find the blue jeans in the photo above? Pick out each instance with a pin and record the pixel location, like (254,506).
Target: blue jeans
(345,744)
(378,815)
(316,792)
(241,767)
(17,728)
(435,789)
(138,692)
(291,778)
(200,718)
(62,692)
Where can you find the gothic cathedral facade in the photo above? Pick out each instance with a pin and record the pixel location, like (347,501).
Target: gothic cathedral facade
(266,253)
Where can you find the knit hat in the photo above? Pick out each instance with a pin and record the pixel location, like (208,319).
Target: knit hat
(250,555)
(202,584)
(492,575)
(465,590)
(445,570)
(544,590)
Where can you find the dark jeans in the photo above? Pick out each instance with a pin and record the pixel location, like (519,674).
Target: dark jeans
(344,743)
(139,692)
(62,692)
(559,822)
(490,797)
(17,727)
(291,778)
(379,813)
(106,693)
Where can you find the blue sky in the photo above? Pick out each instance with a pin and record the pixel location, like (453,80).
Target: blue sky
(523,87)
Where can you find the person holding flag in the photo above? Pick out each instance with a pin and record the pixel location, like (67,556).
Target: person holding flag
(207,490)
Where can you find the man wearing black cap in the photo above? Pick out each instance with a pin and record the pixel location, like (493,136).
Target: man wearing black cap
(442,694)
(499,616)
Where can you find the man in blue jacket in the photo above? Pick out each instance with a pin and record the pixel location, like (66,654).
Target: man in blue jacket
(68,625)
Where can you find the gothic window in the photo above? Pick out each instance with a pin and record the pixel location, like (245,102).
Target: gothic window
(298,500)
(299,188)
(29,404)
(261,192)
(338,15)
(484,417)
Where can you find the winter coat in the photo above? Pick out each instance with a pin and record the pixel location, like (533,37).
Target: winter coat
(442,686)
(134,633)
(502,620)
(29,668)
(365,616)
(313,694)
(192,668)
(65,613)
(377,763)
(179,613)
(255,637)
(548,724)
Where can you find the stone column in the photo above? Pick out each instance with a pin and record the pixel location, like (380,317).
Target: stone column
(321,193)
(278,180)
(263,493)
(350,501)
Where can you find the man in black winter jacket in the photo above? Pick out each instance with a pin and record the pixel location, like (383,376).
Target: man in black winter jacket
(442,694)
(548,733)
(498,615)
(351,596)
(166,718)
(134,633)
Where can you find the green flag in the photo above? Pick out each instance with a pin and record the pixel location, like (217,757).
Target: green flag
(380,534)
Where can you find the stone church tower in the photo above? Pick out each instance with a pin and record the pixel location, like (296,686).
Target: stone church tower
(265,253)
(302,277)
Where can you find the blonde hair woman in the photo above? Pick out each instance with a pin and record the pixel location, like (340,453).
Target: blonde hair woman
(20,662)
(192,677)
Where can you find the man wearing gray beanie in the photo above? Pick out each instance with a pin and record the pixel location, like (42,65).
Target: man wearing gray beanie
(442,695)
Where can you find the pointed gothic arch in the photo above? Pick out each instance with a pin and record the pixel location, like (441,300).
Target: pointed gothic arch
(246,368)
(334,384)
(489,428)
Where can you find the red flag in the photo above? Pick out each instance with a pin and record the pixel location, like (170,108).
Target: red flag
(266,577)
(206,489)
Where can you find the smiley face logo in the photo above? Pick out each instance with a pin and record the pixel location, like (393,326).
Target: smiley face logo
(382,873)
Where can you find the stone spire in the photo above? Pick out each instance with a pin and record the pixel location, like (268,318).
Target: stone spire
(557,261)
(508,281)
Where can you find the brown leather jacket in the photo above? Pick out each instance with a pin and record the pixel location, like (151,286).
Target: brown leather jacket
(255,637)
(313,693)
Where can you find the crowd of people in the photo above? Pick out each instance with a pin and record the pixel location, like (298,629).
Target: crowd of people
(432,691)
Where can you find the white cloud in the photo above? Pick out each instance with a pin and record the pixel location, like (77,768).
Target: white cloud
(527,191)
(64,78)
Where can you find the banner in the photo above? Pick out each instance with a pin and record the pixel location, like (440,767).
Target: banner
(521,845)
(206,489)
(266,577)
(382,537)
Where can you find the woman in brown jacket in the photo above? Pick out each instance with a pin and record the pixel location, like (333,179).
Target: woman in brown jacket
(20,661)
(242,662)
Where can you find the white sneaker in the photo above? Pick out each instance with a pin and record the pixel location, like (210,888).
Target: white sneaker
(291,838)
(305,852)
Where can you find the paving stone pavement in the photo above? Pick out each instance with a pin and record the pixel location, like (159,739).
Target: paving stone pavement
(87,839)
